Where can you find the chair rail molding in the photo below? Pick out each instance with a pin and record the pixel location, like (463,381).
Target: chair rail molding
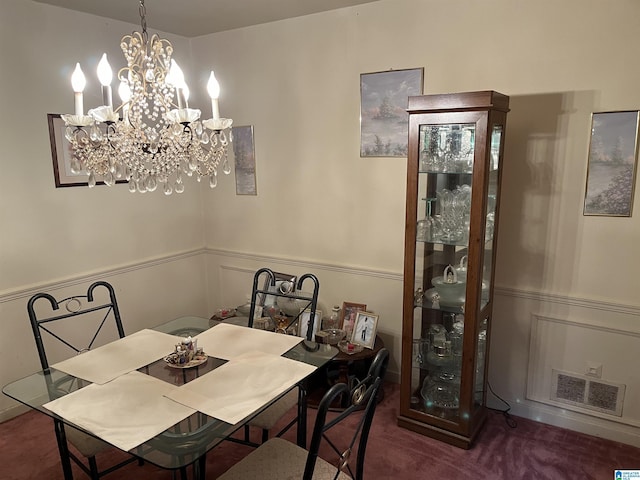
(540,296)
(86,277)
(308,264)
(568,300)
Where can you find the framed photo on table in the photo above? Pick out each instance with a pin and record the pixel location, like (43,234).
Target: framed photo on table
(364,330)
(303,323)
(348,317)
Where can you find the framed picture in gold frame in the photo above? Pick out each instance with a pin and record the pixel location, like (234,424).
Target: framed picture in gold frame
(364,329)
(348,316)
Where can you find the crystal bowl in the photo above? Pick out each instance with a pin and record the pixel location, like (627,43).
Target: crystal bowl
(334,335)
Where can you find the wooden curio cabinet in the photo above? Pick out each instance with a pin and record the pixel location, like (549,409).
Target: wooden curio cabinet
(456,144)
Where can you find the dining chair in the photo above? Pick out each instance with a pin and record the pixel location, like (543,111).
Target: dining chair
(268,419)
(264,281)
(75,324)
(279,459)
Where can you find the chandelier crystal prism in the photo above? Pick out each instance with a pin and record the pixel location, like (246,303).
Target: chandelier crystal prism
(149,140)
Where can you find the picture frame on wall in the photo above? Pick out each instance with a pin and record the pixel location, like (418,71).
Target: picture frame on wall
(244,160)
(612,163)
(384,121)
(364,329)
(348,316)
(61,155)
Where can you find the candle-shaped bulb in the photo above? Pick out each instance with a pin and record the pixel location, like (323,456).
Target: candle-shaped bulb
(213,87)
(125,95)
(78,83)
(105,75)
(124,91)
(186,92)
(175,77)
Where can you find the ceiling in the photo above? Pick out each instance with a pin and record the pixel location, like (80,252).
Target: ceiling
(192,18)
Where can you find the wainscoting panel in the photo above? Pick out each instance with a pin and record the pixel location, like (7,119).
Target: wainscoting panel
(570,361)
(535,333)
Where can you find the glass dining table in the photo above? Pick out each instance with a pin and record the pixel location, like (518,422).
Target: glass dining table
(187,442)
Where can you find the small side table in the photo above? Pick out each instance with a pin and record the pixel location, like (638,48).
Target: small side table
(344,368)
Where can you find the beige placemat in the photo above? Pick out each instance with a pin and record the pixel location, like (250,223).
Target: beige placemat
(241,386)
(229,341)
(125,412)
(119,357)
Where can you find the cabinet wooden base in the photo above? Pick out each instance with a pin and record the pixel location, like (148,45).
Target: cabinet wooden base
(440,434)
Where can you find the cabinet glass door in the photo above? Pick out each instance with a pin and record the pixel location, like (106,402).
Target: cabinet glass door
(487,261)
(446,163)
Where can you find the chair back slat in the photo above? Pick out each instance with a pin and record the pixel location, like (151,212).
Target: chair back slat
(75,306)
(362,400)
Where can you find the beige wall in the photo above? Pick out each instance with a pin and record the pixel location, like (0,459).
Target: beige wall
(50,233)
(322,208)
(150,247)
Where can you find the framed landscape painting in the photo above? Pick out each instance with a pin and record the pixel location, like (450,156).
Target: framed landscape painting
(245,160)
(613,155)
(383,111)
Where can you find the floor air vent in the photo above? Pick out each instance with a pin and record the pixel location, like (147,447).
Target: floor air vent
(587,392)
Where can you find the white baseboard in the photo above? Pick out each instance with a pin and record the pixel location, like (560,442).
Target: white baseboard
(575,422)
(13,412)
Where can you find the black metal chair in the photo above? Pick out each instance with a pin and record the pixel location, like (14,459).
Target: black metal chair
(100,316)
(278,458)
(267,420)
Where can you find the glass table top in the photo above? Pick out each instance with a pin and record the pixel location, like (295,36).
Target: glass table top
(186,441)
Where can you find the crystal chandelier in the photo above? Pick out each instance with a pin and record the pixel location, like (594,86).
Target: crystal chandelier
(148,140)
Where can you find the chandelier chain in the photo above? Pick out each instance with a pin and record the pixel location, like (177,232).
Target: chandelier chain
(143,20)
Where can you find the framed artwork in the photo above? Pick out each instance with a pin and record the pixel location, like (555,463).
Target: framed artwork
(348,315)
(61,155)
(285,283)
(245,160)
(303,323)
(364,330)
(611,171)
(384,121)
